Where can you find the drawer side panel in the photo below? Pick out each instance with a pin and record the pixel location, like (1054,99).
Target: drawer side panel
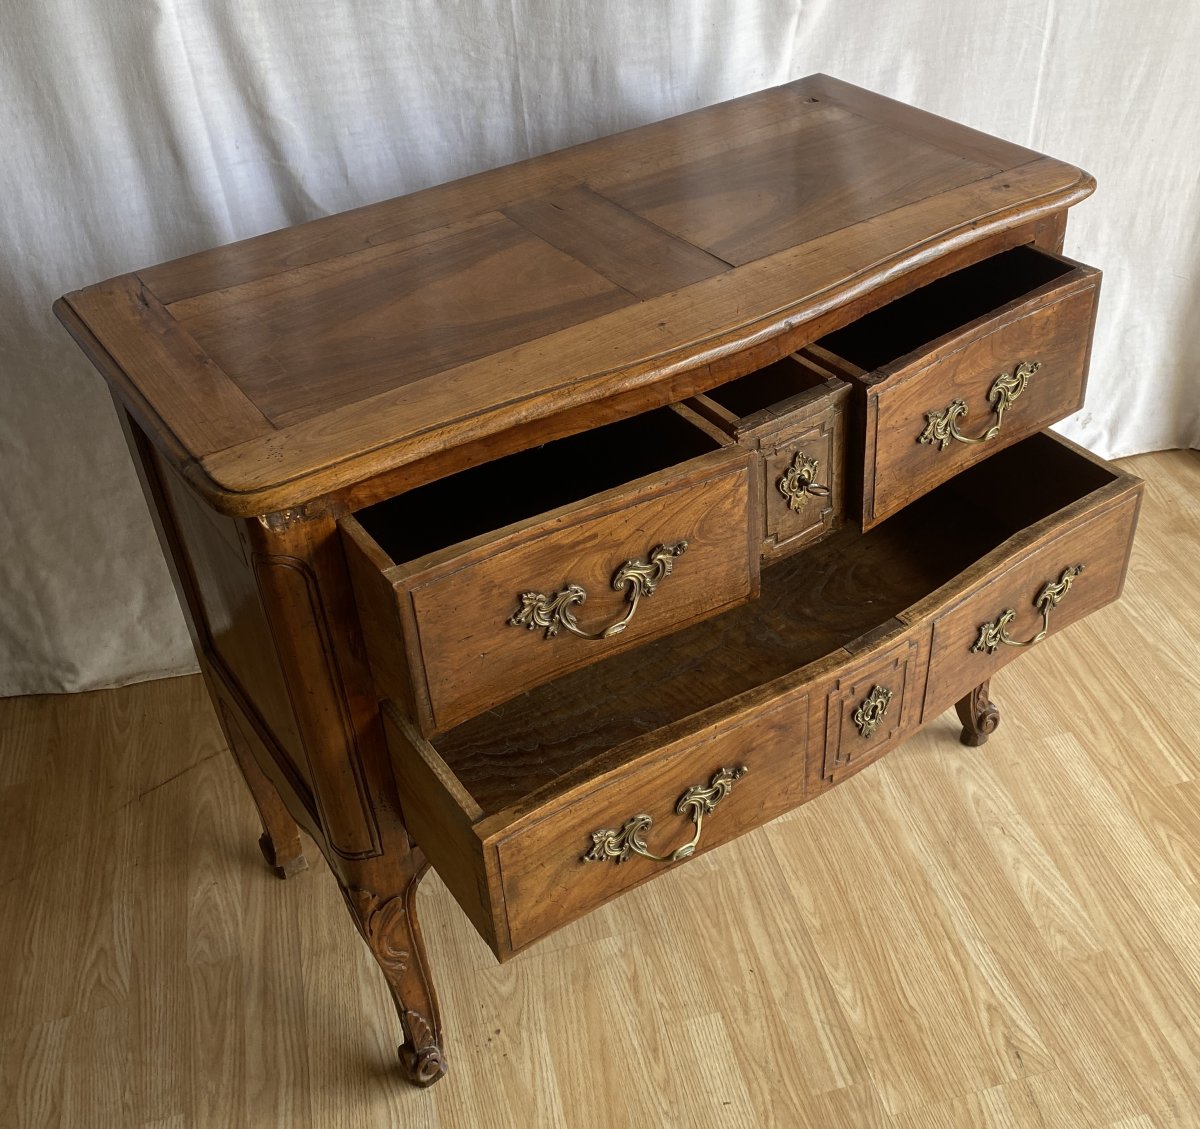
(440,819)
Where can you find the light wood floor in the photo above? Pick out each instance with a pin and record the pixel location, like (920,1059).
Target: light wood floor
(1004,937)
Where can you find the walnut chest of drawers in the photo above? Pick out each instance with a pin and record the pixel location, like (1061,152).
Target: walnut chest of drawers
(556,525)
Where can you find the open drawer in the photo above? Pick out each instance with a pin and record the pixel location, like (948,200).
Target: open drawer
(549,805)
(483,584)
(956,370)
(793,416)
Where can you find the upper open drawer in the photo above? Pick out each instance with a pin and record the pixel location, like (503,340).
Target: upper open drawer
(963,367)
(793,415)
(483,584)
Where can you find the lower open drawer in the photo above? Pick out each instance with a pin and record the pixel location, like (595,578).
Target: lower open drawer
(548,805)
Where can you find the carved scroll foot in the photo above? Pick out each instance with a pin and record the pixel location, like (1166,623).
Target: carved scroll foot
(388,923)
(280,840)
(422,1068)
(979,716)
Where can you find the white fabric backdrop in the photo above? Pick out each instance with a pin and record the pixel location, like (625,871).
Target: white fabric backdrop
(133,133)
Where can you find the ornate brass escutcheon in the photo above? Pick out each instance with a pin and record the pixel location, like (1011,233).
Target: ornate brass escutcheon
(941,427)
(871,710)
(991,635)
(553,613)
(699,801)
(799,482)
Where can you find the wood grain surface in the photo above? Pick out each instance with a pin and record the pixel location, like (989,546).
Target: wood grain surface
(304,362)
(638,255)
(785,412)
(474,657)
(1098,543)
(761,197)
(543,880)
(996,938)
(847,588)
(514,858)
(353,330)
(451,648)
(951,341)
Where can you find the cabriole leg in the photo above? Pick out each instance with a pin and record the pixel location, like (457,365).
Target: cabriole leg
(306,593)
(386,915)
(978,714)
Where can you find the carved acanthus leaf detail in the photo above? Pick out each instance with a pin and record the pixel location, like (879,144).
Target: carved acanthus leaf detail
(384,926)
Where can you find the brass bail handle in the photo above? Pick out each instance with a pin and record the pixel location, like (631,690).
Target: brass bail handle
(942,427)
(638,578)
(620,846)
(992,635)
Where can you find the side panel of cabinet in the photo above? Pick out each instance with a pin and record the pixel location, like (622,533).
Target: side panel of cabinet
(234,624)
(251,612)
(210,567)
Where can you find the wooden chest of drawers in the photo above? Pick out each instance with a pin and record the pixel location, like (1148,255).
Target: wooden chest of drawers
(557,525)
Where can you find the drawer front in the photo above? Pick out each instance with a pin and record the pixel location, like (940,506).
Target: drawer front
(914,420)
(802,479)
(510,617)
(870,706)
(793,414)
(977,389)
(1070,573)
(558,865)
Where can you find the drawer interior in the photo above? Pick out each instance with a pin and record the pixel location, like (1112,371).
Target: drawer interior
(531,482)
(770,387)
(811,605)
(922,316)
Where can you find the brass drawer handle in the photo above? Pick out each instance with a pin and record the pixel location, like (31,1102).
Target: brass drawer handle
(991,635)
(554,612)
(797,483)
(871,710)
(621,846)
(941,427)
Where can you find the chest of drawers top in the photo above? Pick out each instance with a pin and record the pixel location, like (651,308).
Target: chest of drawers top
(347,356)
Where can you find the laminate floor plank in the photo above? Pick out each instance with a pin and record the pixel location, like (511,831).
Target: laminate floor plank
(996,938)
(933,1014)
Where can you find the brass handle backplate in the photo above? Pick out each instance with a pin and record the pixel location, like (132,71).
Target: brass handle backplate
(991,635)
(639,578)
(871,710)
(941,427)
(799,482)
(698,801)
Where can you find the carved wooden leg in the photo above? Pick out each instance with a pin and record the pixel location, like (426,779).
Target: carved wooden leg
(280,840)
(978,714)
(302,579)
(388,923)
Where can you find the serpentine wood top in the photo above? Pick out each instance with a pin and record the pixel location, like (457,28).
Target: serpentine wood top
(608,277)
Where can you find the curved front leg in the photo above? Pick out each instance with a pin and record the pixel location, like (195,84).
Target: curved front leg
(306,591)
(388,923)
(979,716)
